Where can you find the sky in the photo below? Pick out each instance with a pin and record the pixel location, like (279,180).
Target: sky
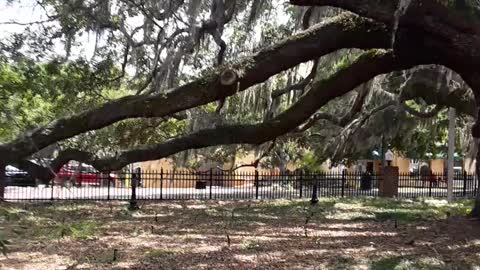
(28,11)
(25,11)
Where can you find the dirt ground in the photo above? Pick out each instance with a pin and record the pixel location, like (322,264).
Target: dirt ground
(335,234)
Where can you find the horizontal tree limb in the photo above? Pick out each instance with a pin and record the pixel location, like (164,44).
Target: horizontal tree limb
(364,68)
(299,85)
(419,114)
(339,121)
(350,31)
(417,88)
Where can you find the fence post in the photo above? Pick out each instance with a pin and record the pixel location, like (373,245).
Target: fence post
(343,183)
(314,199)
(2,181)
(430,188)
(211,183)
(256,184)
(108,186)
(51,193)
(161,183)
(476,182)
(464,183)
(301,184)
(133,199)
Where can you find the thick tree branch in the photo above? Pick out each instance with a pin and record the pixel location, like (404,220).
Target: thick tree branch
(356,106)
(348,117)
(256,162)
(300,85)
(367,66)
(375,110)
(349,31)
(363,118)
(464,19)
(424,89)
(306,17)
(355,125)
(427,90)
(457,28)
(416,113)
(315,118)
(124,63)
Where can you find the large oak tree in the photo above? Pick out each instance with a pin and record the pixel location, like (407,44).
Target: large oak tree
(150,54)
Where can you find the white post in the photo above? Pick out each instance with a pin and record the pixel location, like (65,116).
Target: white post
(451,151)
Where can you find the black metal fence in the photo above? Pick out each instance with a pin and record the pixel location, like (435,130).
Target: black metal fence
(223,185)
(435,185)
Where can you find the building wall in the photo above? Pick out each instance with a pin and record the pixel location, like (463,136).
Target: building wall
(172,177)
(157,165)
(437,165)
(469,165)
(247,173)
(402,163)
(377,166)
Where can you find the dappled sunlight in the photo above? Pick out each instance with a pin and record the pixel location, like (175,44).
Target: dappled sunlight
(339,234)
(351,215)
(436,203)
(37,260)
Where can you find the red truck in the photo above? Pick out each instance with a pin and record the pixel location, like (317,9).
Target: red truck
(83,174)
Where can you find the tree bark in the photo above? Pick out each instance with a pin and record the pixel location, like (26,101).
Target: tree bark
(476,207)
(456,28)
(430,15)
(349,30)
(339,121)
(451,153)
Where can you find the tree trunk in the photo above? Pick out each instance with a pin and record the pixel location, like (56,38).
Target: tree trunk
(2,182)
(476,141)
(451,153)
(476,207)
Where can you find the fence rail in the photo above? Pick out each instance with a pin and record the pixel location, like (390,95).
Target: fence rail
(222,185)
(435,185)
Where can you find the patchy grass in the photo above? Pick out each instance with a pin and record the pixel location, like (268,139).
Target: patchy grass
(361,233)
(159,253)
(79,229)
(410,262)
(379,209)
(252,245)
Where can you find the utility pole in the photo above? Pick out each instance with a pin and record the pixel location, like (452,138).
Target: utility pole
(451,153)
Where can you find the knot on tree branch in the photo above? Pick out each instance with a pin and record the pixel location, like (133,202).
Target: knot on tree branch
(228,77)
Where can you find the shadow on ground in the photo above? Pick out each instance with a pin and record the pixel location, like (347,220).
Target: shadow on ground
(335,234)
